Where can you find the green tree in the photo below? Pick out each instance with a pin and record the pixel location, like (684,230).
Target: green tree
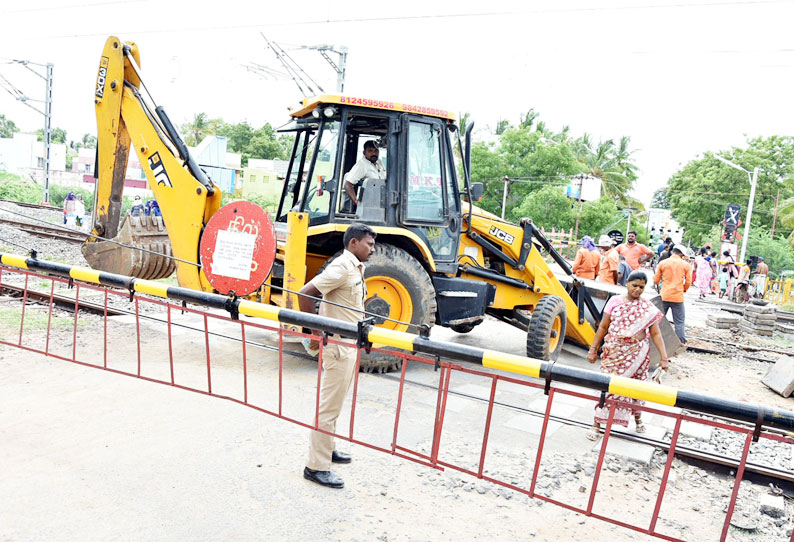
(659,200)
(598,217)
(200,127)
(57,135)
(701,191)
(7,127)
(523,155)
(548,207)
(786,218)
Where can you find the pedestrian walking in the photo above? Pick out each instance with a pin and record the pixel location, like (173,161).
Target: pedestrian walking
(79,211)
(675,274)
(342,282)
(623,270)
(627,322)
(762,274)
(703,273)
(587,260)
(68,209)
(610,261)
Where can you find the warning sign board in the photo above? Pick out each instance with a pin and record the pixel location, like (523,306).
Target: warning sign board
(238,248)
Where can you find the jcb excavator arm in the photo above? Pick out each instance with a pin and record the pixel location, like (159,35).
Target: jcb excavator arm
(185,195)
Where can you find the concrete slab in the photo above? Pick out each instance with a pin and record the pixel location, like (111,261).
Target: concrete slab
(510,387)
(480,392)
(780,377)
(531,424)
(641,453)
(690,429)
(454,403)
(557,408)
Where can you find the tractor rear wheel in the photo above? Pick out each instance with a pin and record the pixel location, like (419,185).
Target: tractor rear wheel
(398,287)
(546,332)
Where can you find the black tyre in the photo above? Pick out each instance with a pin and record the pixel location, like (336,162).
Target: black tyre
(397,287)
(546,333)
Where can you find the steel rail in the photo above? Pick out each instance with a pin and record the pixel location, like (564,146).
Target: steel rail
(33,205)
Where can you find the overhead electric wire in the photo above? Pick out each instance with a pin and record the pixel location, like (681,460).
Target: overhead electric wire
(396,18)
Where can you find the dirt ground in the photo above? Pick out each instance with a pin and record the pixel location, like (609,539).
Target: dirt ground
(92,455)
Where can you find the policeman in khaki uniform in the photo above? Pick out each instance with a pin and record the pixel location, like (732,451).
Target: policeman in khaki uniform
(341,282)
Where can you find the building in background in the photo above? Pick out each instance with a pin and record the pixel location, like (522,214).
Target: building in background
(22,153)
(263,179)
(662,225)
(223,168)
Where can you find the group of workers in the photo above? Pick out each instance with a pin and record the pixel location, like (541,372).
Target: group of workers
(605,262)
(150,208)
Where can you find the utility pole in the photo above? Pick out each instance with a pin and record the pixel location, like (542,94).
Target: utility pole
(749,215)
(47,133)
(504,195)
(579,211)
(47,112)
(774,216)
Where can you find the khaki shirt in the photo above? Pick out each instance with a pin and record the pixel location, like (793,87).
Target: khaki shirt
(342,282)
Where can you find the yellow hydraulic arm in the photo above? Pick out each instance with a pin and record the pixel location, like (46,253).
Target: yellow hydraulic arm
(185,195)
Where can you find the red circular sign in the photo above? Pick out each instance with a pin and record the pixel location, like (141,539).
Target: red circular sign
(238,248)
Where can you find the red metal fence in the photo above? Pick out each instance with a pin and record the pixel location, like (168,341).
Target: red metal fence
(261,383)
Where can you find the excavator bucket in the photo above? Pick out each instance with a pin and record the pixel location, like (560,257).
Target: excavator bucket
(136,233)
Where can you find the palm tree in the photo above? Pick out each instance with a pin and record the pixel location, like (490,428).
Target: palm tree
(786,215)
(198,128)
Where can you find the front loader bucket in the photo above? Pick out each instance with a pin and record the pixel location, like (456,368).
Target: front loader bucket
(143,232)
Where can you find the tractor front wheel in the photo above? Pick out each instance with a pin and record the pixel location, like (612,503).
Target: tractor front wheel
(546,332)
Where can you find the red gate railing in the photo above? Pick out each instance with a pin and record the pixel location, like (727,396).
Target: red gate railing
(250,385)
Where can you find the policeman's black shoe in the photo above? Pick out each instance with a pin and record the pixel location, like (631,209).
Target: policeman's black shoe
(341,457)
(323,477)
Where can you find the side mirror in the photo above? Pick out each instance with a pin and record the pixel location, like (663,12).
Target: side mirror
(476,191)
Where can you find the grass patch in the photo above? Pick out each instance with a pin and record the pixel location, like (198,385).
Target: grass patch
(788,307)
(35,320)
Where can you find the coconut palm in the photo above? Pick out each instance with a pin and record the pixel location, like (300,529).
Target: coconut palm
(786,216)
(198,128)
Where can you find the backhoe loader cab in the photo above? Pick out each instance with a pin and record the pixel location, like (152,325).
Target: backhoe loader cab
(419,194)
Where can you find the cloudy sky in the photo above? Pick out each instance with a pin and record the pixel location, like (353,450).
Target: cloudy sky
(679,77)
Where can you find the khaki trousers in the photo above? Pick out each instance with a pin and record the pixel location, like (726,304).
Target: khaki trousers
(338,365)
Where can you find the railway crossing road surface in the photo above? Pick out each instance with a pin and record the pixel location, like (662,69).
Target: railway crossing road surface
(92,455)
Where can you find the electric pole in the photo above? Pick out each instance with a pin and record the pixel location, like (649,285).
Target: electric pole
(47,112)
(579,211)
(47,133)
(504,195)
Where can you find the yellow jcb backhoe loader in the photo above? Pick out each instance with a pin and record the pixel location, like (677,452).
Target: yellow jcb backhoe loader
(439,259)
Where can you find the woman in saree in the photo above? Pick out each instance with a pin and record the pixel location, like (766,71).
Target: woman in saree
(703,273)
(626,326)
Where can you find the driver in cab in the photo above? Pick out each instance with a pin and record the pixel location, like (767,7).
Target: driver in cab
(368,166)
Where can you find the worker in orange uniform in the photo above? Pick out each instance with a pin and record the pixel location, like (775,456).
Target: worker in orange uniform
(675,274)
(588,258)
(610,261)
(635,253)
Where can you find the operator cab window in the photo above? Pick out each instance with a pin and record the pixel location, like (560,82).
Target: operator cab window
(360,129)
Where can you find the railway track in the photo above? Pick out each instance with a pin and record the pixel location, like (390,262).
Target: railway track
(61,301)
(33,205)
(50,232)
